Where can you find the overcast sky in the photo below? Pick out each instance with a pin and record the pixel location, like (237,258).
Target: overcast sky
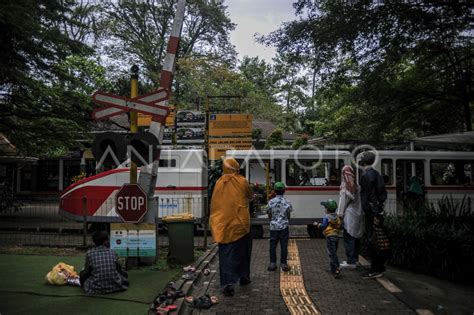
(257,16)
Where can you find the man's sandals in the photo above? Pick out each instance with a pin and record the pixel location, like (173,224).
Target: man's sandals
(202,302)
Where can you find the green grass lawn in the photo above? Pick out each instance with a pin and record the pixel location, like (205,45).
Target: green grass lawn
(24,291)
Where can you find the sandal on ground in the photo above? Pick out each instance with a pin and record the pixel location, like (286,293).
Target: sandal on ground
(164,299)
(188,276)
(202,302)
(173,295)
(189,268)
(165,309)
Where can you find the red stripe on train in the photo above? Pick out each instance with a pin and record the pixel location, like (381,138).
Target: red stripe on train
(93,177)
(95,197)
(441,188)
(312,188)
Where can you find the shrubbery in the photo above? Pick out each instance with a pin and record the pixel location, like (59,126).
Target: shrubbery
(435,239)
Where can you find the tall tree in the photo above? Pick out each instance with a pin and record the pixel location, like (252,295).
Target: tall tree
(42,94)
(292,86)
(136,32)
(388,70)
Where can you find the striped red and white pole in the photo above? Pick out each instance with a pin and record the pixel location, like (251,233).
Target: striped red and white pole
(169,63)
(157,123)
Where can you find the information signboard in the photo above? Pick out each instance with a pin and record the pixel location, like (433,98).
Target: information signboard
(133,240)
(145,120)
(230,125)
(218,146)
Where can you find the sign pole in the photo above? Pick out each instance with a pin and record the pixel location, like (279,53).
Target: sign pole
(133,261)
(133,118)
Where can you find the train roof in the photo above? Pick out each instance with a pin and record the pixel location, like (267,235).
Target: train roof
(343,153)
(427,154)
(286,153)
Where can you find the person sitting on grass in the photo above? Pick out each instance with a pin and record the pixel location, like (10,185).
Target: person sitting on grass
(102,272)
(279,209)
(331,227)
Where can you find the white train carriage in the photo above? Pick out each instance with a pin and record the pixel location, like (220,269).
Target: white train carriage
(443,173)
(181,187)
(313,176)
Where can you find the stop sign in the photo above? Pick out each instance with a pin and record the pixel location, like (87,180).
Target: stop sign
(131,203)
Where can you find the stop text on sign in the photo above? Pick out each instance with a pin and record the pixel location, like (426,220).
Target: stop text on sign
(133,203)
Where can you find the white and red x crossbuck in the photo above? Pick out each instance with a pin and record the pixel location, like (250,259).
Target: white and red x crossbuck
(145,104)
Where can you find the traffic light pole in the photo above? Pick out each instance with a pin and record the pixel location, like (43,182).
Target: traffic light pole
(133,118)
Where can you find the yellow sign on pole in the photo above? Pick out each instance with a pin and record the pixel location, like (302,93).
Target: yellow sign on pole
(145,120)
(230,125)
(218,146)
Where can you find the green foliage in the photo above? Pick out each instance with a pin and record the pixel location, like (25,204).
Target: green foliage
(137,32)
(435,240)
(256,133)
(201,76)
(300,142)
(274,139)
(384,71)
(45,77)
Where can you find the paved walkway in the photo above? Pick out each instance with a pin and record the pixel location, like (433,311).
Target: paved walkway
(348,295)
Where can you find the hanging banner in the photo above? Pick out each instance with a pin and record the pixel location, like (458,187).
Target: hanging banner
(230,125)
(186,117)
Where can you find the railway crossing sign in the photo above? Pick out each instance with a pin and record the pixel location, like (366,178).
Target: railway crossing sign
(131,203)
(115,105)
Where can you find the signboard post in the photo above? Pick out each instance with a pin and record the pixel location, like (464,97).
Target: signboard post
(228,132)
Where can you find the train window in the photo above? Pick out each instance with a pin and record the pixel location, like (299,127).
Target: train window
(387,171)
(406,169)
(313,173)
(257,171)
(451,172)
(168,163)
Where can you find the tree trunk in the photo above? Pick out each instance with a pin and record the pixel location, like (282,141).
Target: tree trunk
(465,89)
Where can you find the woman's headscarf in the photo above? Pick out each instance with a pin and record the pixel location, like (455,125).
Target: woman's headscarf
(230,166)
(348,180)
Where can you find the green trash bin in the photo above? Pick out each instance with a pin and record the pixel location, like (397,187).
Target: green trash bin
(181,240)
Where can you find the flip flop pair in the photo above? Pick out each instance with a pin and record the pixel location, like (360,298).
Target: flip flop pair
(165,309)
(189,268)
(188,276)
(202,302)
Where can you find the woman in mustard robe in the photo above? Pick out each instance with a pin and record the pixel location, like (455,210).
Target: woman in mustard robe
(230,226)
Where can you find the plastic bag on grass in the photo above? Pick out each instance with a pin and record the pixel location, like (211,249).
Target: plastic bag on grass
(60,274)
